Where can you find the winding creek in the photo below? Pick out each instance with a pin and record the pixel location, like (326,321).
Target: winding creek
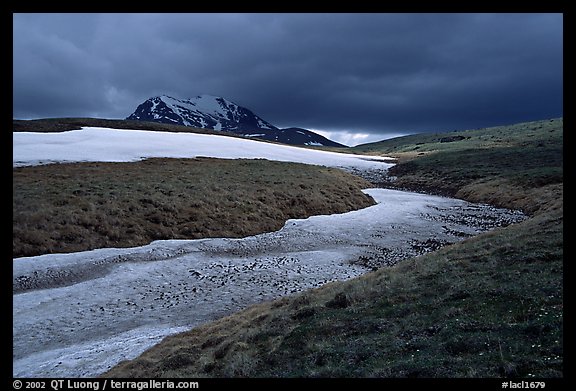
(78,314)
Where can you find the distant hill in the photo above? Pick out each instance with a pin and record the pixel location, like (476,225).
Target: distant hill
(472,164)
(217,113)
(497,136)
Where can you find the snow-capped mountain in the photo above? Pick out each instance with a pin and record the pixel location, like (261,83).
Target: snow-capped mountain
(213,112)
(203,111)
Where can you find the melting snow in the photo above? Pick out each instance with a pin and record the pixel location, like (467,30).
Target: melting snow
(121,301)
(120,145)
(255,135)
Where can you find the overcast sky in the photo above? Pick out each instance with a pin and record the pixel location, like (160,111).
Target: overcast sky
(359,77)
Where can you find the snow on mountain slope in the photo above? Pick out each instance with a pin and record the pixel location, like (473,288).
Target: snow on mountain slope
(204,111)
(120,145)
(217,113)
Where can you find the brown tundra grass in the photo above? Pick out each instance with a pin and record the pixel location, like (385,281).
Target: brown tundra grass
(82,206)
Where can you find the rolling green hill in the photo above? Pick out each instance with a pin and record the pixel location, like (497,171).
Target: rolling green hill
(511,166)
(489,306)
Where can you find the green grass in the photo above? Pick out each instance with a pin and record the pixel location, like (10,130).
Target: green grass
(489,306)
(518,166)
(523,134)
(477,323)
(82,206)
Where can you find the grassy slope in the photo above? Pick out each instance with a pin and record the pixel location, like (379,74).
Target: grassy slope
(490,306)
(511,166)
(82,206)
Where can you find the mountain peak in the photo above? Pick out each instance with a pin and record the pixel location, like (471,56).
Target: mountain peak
(202,111)
(217,113)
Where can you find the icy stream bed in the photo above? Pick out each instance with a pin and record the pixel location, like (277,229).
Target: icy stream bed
(78,314)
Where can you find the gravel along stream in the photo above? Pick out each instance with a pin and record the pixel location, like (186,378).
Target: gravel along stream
(79,314)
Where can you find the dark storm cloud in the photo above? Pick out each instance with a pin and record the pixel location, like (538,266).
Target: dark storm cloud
(368,73)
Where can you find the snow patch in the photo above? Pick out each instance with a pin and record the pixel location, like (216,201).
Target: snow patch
(209,104)
(122,145)
(263,125)
(103,353)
